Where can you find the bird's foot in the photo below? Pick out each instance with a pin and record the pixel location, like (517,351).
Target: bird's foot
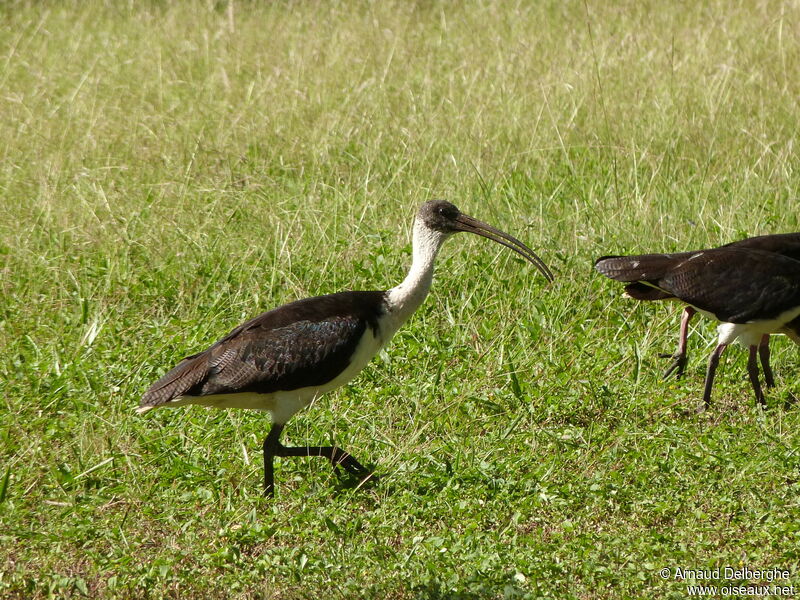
(343,460)
(677,366)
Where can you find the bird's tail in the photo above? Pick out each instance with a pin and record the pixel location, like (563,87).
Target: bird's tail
(180,380)
(642,267)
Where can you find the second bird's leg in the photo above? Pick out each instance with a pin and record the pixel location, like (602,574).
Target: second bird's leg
(337,457)
(752,371)
(678,364)
(713,361)
(763,352)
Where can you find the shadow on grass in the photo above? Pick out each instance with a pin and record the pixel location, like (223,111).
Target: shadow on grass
(347,482)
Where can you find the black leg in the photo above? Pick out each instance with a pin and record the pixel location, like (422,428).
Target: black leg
(763,352)
(271,445)
(752,371)
(678,365)
(337,457)
(713,361)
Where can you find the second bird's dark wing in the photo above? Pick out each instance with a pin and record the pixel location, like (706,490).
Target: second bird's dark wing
(787,244)
(736,285)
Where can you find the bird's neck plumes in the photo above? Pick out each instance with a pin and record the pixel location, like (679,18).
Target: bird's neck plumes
(405,298)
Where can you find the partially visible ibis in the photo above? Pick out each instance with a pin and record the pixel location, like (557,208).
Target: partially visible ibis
(282,360)
(752,292)
(787,244)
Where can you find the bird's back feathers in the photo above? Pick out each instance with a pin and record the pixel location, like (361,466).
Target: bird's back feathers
(304,343)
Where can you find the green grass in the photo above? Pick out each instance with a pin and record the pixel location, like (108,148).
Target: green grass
(168,170)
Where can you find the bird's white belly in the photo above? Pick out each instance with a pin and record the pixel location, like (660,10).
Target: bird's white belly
(749,334)
(283,404)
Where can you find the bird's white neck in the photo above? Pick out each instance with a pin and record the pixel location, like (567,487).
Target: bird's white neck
(405,298)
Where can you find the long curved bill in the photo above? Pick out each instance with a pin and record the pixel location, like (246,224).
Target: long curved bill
(467,223)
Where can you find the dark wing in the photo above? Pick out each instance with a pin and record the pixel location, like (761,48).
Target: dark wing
(787,244)
(736,285)
(650,267)
(304,343)
(302,353)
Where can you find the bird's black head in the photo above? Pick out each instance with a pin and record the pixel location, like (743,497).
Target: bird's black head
(440,215)
(443,217)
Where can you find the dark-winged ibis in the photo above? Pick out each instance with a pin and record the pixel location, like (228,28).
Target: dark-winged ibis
(282,360)
(751,292)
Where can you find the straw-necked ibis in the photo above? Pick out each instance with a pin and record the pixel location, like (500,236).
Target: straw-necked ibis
(752,292)
(283,359)
(787,244)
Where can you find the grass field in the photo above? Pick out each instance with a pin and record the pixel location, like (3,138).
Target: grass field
(171,169)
